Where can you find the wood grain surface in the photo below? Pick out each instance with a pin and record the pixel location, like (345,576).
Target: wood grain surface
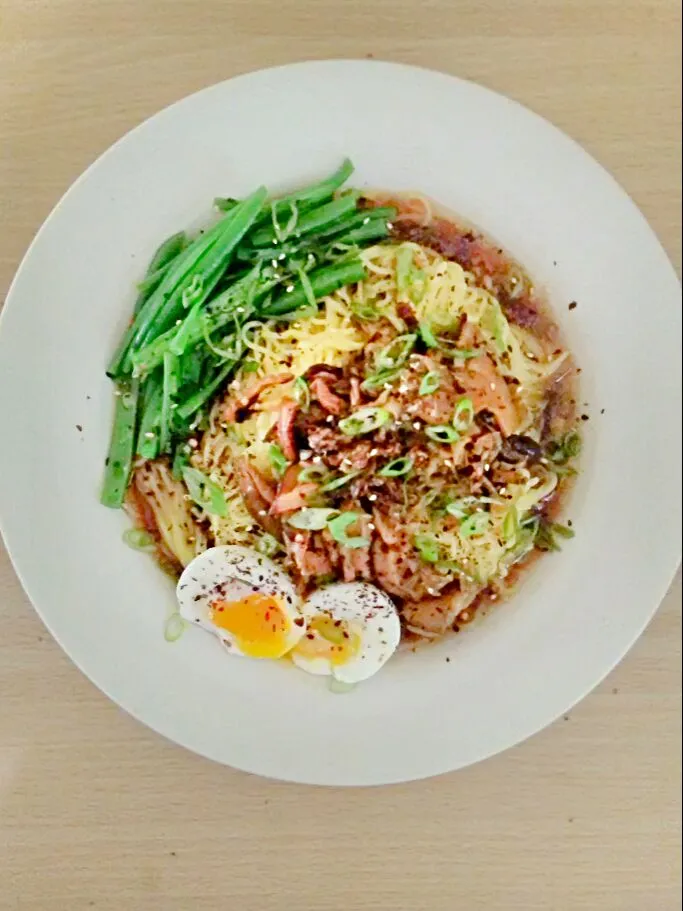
(98,812)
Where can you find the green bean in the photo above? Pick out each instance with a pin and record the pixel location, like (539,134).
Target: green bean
(216,315)
(148,435)
(373,230)
(195,402)
(167,251)
(169,387)
(122,443)
(177,272)
(195,265)
(313,194)
(359,219)
(322,216)
(225,203)
(323,281)
(199,284)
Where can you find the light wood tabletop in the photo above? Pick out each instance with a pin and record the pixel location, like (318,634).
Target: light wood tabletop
(98,812)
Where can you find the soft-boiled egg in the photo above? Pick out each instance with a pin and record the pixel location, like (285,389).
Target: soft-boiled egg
(352,629)
(243,598)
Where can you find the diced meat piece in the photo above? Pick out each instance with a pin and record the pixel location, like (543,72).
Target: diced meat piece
(332,403)
(489,392)
(355,394)
(435,616)
(293,499)
(308,554)
(285,429)
(258,495)
(396,565)
(249,396)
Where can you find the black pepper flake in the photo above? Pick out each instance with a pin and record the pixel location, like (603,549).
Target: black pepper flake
(584,417)
(448,660)
(602,411)
(79,428)
(573,305)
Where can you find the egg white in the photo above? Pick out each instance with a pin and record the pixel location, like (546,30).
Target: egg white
(231,573)
(369,613)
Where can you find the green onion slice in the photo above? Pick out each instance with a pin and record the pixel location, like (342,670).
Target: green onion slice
(311,519)
(464,415)
(461,508)
(511,526)
(338,526)
(427,336)
(396,468)
(336,483)
(314,473)
(302,393)
(430,383)
(278,460)
(364,421)
(174,628)
(138,539)
(378,380)
(428,548)
(476,524)
(396,353)
(205,492)
(441,433)
(267,545)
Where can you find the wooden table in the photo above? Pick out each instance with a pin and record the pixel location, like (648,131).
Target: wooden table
(98,812)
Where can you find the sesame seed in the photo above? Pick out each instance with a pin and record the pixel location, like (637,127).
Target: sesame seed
(374,452)
(371,526)
(486,466)
(273,263)
(193,443)
(492,385)
(329,418)
(305,454)
(150,435)
(372,497)
(317,459)
(282,256)
(289,289)
(366,221)
(417,425)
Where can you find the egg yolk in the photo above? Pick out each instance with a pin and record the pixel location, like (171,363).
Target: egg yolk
(331,639)
(257,623)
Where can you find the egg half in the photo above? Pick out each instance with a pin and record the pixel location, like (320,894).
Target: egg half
(243,598)
(352,630)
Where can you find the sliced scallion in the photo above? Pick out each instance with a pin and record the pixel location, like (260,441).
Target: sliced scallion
(336,483)
(302,393)
(311,519)
(396,353)
(338,526)
(174,628)
(430,383)
(441,433)
(278,460)
(267,545)
(428,548)
(427,336)
(396,468)
(205,492)
(138,539)
(476,524)
(464,415)
(364,421)
(511,526)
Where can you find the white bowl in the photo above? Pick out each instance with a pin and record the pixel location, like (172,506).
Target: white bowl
(541,197)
